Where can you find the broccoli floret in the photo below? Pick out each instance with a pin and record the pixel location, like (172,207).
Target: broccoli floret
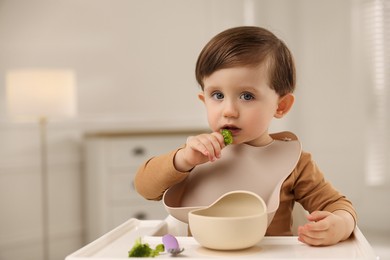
(144,250)
(159,248)
(227,136)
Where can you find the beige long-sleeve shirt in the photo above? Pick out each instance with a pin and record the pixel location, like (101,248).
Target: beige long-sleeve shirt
(306,184)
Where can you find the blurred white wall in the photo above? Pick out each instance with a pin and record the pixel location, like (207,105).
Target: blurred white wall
(134,63)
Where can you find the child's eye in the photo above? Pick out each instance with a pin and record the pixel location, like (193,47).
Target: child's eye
(217,95)
(247,96)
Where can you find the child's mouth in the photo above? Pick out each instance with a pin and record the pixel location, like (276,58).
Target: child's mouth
(235,130)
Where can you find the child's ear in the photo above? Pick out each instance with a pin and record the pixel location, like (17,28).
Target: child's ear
(285,104)
(201,96)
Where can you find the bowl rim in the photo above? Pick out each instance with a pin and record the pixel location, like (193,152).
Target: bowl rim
(194,213)
(182,213)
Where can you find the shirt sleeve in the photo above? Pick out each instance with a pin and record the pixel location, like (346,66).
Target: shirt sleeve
(156,175)
(313,192)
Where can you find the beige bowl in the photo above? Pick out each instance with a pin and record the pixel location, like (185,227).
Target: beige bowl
(237,220)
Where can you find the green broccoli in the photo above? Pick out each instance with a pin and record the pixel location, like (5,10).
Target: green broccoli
(144,250)
(227,136)
(159,248)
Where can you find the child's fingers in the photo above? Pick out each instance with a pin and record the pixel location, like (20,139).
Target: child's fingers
(318,215)
(311,237)
(313,230)
(218,143)
(220,139)
(195,144)
(311,240)
(207,144)
(319,225)
(320,231)
(213,146)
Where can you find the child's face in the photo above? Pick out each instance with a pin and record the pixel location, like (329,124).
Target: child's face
(240,99)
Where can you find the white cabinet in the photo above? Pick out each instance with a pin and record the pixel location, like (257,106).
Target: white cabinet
(112,160)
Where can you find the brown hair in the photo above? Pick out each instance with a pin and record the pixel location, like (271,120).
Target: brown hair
(249,46)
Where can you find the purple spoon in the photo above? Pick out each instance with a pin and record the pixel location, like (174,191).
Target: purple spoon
(171,245)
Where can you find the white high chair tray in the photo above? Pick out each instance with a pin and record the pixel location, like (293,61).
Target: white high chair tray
(115,245)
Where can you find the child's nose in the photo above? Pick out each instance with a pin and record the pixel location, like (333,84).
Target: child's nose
(230,109)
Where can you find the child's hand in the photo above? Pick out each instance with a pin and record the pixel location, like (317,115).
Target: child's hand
(199,149)
(326,228)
